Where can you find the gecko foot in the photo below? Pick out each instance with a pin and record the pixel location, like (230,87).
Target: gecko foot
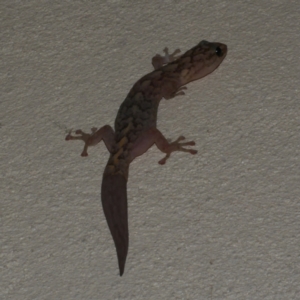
(87,138)
(179,92)
(158,60)
(172,56)
(177,146)
(105,133)
(172,95)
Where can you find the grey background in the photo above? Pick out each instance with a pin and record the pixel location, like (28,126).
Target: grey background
(223,224)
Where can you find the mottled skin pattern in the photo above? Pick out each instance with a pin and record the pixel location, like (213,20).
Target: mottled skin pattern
(135,129)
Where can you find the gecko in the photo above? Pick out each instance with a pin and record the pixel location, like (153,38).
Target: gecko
(135,129)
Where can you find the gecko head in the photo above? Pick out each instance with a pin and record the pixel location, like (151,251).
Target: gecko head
(206,57)
(218,49)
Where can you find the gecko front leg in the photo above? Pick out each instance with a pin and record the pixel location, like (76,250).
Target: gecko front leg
(158,60)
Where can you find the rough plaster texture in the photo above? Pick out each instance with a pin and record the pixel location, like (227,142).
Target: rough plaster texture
(220,225)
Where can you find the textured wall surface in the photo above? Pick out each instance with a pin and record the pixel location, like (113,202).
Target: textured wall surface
(223,224)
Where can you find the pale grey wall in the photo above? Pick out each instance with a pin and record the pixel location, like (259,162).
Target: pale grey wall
(223,224)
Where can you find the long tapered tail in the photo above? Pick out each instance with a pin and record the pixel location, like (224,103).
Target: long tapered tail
(114,202)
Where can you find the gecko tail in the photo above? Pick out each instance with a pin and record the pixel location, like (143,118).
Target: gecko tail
(114,202)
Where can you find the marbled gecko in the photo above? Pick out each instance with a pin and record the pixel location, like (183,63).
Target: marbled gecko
(135,129)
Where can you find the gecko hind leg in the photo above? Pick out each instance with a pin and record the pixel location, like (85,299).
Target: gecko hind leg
(154,136)
(177,146)
(105,133)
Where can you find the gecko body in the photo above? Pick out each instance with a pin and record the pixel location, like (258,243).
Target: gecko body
(135,129)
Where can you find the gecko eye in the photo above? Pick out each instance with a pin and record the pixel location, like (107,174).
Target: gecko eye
(219,51)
